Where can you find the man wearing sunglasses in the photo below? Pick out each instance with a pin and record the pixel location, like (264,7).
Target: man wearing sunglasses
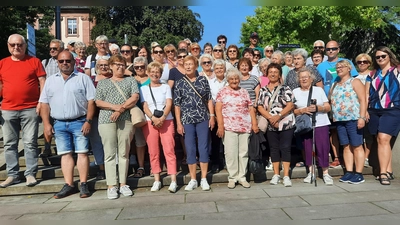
(253,43)
(318,44)
(222,40)
(20,77)
(50,64)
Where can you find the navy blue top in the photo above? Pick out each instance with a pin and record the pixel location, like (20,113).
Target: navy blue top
(193,108)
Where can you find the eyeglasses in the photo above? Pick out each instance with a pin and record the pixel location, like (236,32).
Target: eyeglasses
(103,65)
(15,44)
(217,50)
(232,51)
(158,52)
(206,62)
(333,49)
(269,51)
(119,65)
(181,56)
(103,43)
(54,49)
(380,56)
(318,47)
(340,67)
(257,55)
(196,49)
(64,61)
(222,42)
(170,51)
(125,51)
(139,67)
(363,62)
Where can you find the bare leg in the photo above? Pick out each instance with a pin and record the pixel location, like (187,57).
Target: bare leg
(204,169)
(67,167)
(286,166)
(348,158)
(358,154)
(192,171)
(83,166)
(384,151)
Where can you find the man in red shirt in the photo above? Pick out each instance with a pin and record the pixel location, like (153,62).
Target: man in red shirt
(22,78)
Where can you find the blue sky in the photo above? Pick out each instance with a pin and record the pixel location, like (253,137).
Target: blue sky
(225,20)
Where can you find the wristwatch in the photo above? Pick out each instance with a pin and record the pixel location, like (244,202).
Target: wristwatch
(280,115)
(89,121)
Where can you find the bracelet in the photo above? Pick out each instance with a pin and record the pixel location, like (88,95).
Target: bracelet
(323,109)
(365,119)
(212,114)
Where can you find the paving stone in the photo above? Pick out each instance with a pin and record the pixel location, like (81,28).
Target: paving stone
(387,217)
(369,185)
(261,203)
(392,206)
(162,218)
(167,210)
(25,199)
(334,211)
(226,196)
(300,188)
(12,217)
(31,208)
(107,214)
(270,214)
(352,197)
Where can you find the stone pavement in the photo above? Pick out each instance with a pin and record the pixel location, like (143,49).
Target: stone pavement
(367,201)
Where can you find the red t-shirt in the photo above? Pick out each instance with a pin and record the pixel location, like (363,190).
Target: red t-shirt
(20,82)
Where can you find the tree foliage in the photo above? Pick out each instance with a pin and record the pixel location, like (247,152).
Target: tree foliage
(13,20)
(358,28)
(145,24)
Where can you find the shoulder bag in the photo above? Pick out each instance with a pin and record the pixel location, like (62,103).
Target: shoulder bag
(137,115)
(303,121)
(261,120)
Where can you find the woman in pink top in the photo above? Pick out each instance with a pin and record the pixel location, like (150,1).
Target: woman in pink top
(263,65)
(235,122)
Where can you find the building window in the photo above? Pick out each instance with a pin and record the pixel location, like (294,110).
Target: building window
(72,27)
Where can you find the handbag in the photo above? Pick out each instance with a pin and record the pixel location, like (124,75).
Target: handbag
(137,115)
(303,121)
(157,113)
(261,120)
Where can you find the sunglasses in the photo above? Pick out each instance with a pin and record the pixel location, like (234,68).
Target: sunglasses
(158,52)
(217,50)
(363,62)
(318,47)
(125,51)
(196,49)
(15,44)
(181,56)
(119,65)
(54,49)
(206,62)
(333,49)
(268,51)
(138,67)
(221,42)
(380,56)
(170,51)
(257,55)
(64,61)
(232,51)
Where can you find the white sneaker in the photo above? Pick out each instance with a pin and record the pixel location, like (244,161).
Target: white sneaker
(156,186)
(328,179)
(112,193)
(287,182)
(366,163)
(269,166)
(191,185)
(308,178)
(275,179)
(125,190)
(172,187)
(132,160)
(204,184)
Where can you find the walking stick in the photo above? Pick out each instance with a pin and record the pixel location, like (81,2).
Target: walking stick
(314,163)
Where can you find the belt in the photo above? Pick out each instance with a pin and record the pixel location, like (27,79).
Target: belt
(70,120)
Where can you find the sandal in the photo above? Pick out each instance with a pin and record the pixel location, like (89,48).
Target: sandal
(139,172)
(390,175)
(384,181)
(300,164)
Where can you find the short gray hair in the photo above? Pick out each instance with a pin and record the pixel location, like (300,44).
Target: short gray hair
(218,62)
(319,41)
(269,46)
(207,56)
(300,51)
(79,44)
(59,42)
(115,46)
(232,72)
(305,69)
(140,59)
(101,38)
(280,53)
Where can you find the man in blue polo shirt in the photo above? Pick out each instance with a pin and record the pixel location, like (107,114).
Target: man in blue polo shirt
(327,69)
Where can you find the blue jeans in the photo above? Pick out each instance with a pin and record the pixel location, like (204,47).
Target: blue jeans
(15,121)
(69,137)
(96,143)
(202,133)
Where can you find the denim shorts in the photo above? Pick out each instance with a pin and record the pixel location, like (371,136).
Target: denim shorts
(349,134)
(69,137)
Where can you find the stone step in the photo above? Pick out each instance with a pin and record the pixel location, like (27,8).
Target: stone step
(54,160)
(183,177)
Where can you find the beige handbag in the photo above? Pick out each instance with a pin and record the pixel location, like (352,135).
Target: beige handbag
(137,116)
(261,120)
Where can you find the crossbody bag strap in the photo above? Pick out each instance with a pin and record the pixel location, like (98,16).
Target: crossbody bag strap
(191,85)
(309,96)
(272,99)
(152,96)
(119,89)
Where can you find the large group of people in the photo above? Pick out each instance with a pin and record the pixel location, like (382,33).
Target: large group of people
(213,98)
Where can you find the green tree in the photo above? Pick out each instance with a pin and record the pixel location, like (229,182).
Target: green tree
(13,19)
(145,24)
(358,28)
